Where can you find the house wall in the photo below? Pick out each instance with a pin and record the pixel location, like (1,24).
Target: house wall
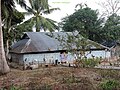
(51,57)
(40,57)
(99,53)
(17,58)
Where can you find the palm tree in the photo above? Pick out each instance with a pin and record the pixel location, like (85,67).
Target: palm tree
(38,8)
(4,68)
(6,7)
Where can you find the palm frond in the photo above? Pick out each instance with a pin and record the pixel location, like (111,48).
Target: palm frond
(30,10)
(48,24)
(7,8)
(36,8)
(27,25)
(29,21)
(53,23)
(50,10)
(27,13)
(22,3)
(44,4)
(32,3)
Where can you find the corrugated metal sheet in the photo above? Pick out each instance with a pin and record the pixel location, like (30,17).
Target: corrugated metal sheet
(18,47)
(34,42)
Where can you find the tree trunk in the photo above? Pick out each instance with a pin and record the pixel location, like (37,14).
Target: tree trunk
(7,49)
(7,41)
(4,68)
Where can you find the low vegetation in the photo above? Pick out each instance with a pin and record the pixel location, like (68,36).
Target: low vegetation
(61,78)
(110,85)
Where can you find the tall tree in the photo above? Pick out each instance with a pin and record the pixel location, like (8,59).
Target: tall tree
(111,26)
(38,8)
(4,68)
(10,18)
(6,7)
(8,28)
(111,29)
(84,20)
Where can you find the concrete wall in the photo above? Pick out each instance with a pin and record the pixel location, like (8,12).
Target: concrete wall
(51,57)
(100,53)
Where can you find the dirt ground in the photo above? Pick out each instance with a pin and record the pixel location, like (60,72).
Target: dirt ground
(57,78)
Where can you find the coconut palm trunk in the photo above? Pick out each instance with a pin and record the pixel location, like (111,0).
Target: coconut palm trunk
(4,68)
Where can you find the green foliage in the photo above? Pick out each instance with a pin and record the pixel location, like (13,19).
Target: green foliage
(17,17)
(7,7)
(12,87)
(77,45)
(19,29)
(111,30)
(107,74)
(41,87)
(84,20)
(9,31)
(91,62)
(110,85)
(10,18)
(70,79)
(45,87)
(37,9)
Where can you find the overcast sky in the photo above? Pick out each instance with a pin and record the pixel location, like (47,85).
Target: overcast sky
(67,7)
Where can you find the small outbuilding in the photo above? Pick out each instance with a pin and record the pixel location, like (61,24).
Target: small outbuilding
(113,46)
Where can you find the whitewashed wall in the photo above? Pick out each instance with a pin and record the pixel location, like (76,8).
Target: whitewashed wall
(40,57)
(100,53)
(48,57)
(51,57)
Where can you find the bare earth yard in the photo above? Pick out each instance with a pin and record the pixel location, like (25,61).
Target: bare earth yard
(57,78)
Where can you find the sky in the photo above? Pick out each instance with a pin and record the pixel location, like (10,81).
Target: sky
(67,7)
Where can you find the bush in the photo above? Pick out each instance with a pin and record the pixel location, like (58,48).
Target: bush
(107,74)
(91,62)
(109,85)
(12,87)
(44,87)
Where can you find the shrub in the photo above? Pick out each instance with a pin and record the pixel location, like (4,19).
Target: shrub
(91,62)
(109,85)
(107,74)
(12,87)
(44,87)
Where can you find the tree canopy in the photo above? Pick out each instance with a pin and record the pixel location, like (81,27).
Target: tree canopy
(38,8)
(88,23)
(85,21)
(111,29)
